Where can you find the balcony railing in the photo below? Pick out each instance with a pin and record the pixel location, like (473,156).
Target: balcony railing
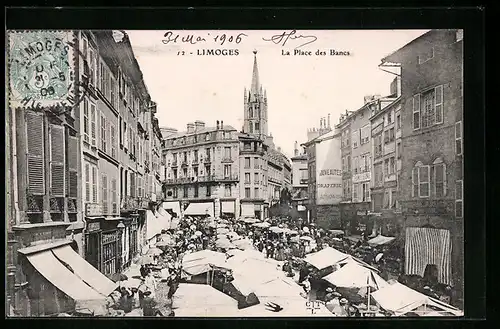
(201,179)
(227,159)
(304,181)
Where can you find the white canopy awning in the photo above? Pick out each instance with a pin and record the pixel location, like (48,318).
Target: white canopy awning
(247,210)
(325,257)
(174,206)
(353,275)
(200,209)
(301,208)
(153,225)
(380,240)
(228,207)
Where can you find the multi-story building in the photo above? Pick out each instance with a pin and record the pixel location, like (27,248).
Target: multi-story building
(386,164)
(44,209)
(120,150)
(264,170)
(431,180)
(300,182)
(356,153)
(310,150)
(202,170)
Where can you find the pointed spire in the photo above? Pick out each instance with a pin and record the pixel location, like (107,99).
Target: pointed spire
(255,76)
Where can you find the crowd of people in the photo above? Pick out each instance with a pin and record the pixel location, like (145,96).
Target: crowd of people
(289,243)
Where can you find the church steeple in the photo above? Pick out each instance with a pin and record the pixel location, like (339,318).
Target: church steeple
(255,88)
(255,105)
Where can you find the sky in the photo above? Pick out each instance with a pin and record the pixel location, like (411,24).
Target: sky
(301,89)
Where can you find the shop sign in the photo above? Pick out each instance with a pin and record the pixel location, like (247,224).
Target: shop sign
(94,226)
(93,209)
(361,177)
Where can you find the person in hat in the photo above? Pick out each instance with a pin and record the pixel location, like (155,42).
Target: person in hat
(344,307)
(148,304)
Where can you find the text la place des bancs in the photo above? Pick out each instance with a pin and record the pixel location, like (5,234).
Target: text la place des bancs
(284,39)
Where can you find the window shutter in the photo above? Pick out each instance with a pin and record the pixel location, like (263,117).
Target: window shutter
(73,166)
(414,181)
(438,92)
(94,184)
(87,182)
(35,154)
(113,197)
(416,112)
(93,120)
(57,161)
(104,195)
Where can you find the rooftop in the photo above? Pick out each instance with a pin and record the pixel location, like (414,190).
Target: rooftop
(203,130)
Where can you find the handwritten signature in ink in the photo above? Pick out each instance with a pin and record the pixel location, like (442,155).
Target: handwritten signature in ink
(281,39)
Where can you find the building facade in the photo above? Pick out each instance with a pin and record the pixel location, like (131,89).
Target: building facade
(386,166)
(120,151)
(202,169)
(44,209)
(431,180)
(300,177)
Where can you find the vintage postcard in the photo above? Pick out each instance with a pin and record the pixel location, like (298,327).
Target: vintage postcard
(234,173)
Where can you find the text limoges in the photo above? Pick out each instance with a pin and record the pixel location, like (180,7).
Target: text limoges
(217,52)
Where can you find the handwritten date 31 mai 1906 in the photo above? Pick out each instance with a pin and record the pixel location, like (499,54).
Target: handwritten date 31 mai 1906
(227,38)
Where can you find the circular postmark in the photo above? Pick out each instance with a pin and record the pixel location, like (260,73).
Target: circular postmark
(41,68)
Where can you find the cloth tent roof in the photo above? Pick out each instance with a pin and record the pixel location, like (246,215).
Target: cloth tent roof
(380,240)
(325,257)
(400,299)
(353,275)
(277,287)
(198,300)
(203,261)
(199,209)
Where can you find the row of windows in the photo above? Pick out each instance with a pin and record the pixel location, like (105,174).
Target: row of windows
(201,137)
(248,195)
(196,191)
(198,172)
(256,179)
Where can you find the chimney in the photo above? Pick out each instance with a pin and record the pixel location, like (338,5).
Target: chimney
(190,128)
(279,149)
(198,125)
(217,124)
(296,149)
(221,124)
(329,121)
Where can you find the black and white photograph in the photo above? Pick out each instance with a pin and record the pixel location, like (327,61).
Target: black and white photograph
(234,173)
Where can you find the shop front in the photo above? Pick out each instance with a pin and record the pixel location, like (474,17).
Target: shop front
(356,218)
(103,244)
(228,209)
(52,278)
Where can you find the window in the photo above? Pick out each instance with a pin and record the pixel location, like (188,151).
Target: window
(112,131)
(94,184)
(195,171)
(387,199)
(378,145)
(256,162)
(348,163)
(227,153)
(366,192)
(459,204)
(256,178)
(365,134)
(103,134)
(393,199)
(458,138)
(378,174)
(355,192)
(416,112)
(386,167)
(256,192)
(392,166)
(389,117)
(227,171)
(355,138)
(399,150)
(86,120)
(209,190)
(420,180)
(356,164)
(207,170)
(247,192)
(428,110)
(185,157)
(257,127)
(104,195)
(247,163)
(185,192)
(132,185)
(87,182)
(227,190)
(247,178)
(114,204)
(424,57)
(92,67)
(250,126)
(85,45)
(250,113)
(398,122)
(196,191)
(439,178)
(175,193)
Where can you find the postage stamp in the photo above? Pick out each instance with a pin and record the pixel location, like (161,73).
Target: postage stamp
(41,68)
